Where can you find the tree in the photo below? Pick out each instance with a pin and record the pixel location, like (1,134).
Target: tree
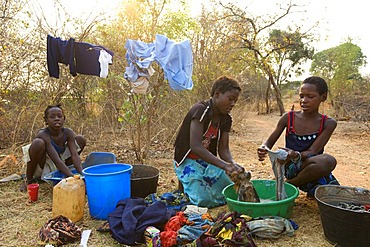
(340,66)
(24,80)
(282,47)
(215,52)
(289,53)
(141,115)
(20,58)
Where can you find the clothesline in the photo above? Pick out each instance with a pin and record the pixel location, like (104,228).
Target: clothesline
(176,60)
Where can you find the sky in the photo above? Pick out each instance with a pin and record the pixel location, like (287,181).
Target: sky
(338,20)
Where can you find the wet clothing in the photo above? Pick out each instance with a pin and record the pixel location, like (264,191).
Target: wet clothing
(278,170)
(301,143)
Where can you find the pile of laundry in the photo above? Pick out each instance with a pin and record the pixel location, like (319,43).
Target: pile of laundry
(59,231)
(170,220)
(159,222)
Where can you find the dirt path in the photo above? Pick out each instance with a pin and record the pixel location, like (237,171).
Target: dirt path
(349,144)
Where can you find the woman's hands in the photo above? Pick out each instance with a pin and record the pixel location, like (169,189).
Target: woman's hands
(293,156)
(233,168)
(261,152)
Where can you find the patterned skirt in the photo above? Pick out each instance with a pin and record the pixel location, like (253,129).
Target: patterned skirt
(203,183)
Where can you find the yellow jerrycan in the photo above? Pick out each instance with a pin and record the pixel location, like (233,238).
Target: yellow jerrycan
(69,198)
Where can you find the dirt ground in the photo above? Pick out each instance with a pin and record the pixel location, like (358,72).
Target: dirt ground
(20,220)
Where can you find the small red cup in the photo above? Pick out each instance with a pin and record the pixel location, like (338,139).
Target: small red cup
(33,191)
(367,207)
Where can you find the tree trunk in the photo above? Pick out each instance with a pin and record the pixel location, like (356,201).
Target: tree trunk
(267,101)
(277,94)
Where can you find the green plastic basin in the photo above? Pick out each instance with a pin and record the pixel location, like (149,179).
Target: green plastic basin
(266,191)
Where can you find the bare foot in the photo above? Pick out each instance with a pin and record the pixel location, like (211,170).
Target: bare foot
(23,187)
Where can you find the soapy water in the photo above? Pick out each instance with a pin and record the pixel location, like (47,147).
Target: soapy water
(269,200)
(266,200)
(353,206)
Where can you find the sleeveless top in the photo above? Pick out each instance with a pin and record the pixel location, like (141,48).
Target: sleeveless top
(301,143)
(203,112)
(211,134)
(57,148)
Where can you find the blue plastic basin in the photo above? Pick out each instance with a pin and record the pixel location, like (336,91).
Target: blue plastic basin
(56,176)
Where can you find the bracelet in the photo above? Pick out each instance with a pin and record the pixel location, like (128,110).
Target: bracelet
(299,158)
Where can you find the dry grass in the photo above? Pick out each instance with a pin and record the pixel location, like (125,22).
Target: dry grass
(20,220)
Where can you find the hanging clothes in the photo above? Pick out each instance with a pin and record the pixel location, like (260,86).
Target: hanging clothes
(176,60)
(92,59)
(81,57)
(60,51)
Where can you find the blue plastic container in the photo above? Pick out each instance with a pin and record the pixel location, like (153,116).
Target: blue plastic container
(106,184)
(56,176)
(97,158)
(93,158)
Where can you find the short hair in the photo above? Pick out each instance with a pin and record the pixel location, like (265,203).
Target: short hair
(46,112)
(224,84)
(320,83)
